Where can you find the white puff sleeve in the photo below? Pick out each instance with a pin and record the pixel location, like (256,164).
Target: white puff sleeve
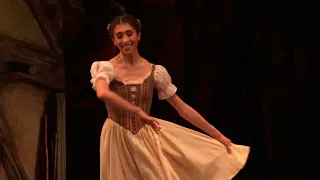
(101,69)
(163,83)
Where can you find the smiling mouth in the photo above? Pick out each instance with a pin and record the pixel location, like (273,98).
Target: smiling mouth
(127,45)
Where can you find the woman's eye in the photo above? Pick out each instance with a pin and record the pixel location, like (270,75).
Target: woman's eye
(129,33)
(119,35)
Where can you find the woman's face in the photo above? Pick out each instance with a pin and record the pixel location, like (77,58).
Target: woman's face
(126,38)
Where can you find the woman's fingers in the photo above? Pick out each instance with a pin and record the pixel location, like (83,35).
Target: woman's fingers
(228,146)
(229,149)
(156,126)
(156,121)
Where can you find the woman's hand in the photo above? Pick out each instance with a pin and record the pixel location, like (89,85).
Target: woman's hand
(149,120)
(226,142)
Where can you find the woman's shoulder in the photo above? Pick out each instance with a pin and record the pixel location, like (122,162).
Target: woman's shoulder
(102,63)
(161,73)
(160,69)
(112,60)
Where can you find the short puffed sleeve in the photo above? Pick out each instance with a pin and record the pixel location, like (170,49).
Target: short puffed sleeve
(101,69)
(163,83)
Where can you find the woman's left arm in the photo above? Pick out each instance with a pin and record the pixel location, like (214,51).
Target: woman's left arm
(166,90)
(191,115)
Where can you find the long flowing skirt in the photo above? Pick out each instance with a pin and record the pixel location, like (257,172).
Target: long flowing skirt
(176,153)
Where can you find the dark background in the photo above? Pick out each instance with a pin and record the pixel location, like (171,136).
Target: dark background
(249,67)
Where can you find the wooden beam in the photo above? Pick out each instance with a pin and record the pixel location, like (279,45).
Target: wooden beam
(39,13)
(47,83)
(19,49)
(61,133)
(31,64)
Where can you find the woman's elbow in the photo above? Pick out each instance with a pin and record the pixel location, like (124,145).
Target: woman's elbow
(183,113)
(102,95)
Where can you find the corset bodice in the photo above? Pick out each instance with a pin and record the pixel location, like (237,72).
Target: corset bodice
(138,94)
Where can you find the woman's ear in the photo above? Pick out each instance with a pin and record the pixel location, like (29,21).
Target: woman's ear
(139,35)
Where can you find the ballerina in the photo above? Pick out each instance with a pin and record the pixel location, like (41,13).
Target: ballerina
(136,146)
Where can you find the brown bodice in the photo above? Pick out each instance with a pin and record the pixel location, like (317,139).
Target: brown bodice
(137,94)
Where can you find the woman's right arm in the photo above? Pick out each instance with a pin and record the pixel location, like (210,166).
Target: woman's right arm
(105,94)
(101,73)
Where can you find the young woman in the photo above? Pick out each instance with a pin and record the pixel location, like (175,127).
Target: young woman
(136,146)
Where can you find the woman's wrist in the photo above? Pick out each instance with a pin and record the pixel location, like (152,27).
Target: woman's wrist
(137,110)
(216,134)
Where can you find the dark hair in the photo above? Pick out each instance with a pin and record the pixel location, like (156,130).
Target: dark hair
(124,18)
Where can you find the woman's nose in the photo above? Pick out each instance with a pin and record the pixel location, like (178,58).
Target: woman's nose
(125,39)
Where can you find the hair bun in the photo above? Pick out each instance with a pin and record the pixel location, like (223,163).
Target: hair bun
(118,9)
(122,9)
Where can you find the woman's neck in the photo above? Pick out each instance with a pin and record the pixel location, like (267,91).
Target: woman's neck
(131,60)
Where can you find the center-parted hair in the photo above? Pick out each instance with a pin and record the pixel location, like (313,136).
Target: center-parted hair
(124,18)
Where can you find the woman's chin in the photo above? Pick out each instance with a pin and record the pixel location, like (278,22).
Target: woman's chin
(127,53)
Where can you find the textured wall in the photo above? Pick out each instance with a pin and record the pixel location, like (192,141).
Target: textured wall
(18,22)
(23,107)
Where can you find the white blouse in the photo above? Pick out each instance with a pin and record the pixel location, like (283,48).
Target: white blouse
(105,70)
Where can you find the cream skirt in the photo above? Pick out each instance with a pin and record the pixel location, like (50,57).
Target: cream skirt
(176,153)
